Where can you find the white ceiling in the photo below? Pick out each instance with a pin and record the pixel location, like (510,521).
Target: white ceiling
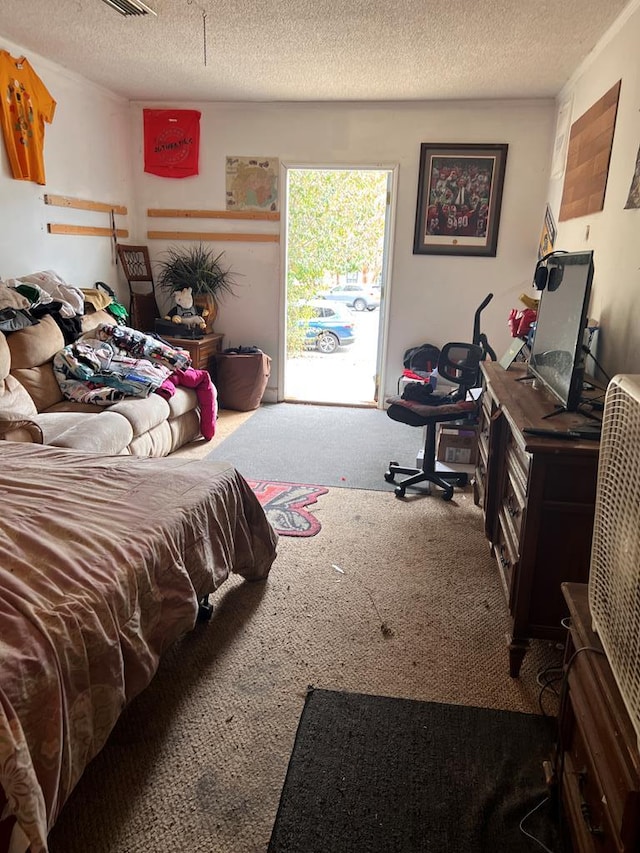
(316,50)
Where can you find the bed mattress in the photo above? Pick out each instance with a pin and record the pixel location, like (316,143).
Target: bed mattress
(103,562)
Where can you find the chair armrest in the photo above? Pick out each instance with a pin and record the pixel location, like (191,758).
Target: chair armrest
(17,427)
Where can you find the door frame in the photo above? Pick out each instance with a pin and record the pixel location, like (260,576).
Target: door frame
(387,263)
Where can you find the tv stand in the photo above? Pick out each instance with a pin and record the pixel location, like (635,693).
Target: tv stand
(537,494)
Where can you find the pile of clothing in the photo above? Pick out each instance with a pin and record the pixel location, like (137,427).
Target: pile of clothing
(112,363)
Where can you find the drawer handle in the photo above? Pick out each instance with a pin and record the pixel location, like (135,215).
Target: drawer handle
(584,807)
(503,560)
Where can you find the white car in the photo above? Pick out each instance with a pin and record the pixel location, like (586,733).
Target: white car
(355,296)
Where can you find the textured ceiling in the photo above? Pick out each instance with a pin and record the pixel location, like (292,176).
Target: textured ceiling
(316,50)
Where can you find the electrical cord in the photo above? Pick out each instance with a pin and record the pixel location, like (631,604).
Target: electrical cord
(546,679)
(528,834)
(596,362)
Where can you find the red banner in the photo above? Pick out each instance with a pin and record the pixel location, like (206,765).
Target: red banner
(171,142)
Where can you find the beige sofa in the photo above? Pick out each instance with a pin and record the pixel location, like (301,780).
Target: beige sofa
(33,409)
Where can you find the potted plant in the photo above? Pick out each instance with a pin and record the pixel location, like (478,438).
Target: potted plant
(201,269)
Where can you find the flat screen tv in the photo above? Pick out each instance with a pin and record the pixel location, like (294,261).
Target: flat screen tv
(557,354)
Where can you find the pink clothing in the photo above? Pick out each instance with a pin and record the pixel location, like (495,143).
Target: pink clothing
(205,392)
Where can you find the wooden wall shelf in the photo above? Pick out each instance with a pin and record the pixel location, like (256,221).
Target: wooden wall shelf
(253,215)
(82,204)
(85,230)
(220,237)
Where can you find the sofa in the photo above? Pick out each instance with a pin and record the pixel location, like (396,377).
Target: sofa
(34,409)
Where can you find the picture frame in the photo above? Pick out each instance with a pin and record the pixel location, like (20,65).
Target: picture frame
(459,198)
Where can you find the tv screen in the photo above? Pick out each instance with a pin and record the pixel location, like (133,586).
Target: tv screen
(557,355)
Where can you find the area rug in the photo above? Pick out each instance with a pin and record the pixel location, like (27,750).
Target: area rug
(285,506)
(383,774)
(339,446)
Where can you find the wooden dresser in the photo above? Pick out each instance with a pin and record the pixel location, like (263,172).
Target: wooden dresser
(538,496)
(597,763)
(202,350)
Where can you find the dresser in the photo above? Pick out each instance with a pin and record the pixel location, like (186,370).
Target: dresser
(597,766)
(202,350)
(537,495)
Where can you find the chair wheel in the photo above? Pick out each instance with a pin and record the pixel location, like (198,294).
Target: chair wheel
(447,494)
(389,477)
(399,491)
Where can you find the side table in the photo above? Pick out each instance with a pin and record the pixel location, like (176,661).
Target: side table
(597,761)
(202,350)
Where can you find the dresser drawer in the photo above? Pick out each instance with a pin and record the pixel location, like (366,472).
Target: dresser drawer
(513,504)
(585,802)
(518,460)
(506,553)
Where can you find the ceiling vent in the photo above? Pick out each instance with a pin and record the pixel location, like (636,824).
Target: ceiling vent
(130,7)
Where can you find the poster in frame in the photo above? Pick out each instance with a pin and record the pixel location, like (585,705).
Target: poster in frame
(459,199)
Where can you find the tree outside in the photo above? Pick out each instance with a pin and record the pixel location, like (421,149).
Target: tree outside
(335,227)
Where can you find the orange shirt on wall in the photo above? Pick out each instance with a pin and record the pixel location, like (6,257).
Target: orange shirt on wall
(26,105)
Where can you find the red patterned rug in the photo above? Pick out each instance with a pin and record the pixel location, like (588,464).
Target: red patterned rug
(284,505)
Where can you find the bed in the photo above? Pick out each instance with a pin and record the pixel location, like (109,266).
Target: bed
(104,562)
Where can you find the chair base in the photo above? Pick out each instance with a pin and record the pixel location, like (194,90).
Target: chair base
(443,479)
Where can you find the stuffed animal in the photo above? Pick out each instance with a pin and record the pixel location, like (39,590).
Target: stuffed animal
(185,312)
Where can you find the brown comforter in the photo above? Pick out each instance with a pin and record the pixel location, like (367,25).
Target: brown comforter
(102,563)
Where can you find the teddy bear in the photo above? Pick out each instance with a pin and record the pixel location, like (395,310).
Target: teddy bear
(184,312)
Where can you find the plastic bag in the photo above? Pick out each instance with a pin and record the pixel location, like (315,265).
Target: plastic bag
(14,319)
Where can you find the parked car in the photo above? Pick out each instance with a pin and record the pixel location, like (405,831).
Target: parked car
(355,296)
(330,326)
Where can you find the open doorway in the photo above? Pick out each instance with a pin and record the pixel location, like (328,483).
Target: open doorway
(337,233)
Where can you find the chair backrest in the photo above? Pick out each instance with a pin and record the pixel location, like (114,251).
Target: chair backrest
(460,363)
(136,266)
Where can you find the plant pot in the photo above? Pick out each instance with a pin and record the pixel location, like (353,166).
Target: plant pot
(206,302)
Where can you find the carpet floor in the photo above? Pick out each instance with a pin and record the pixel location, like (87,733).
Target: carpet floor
(393,598)
(383,775)
(326,445)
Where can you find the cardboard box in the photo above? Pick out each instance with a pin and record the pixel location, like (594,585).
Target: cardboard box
(457,445)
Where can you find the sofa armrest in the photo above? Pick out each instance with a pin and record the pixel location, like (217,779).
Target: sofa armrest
(17,427)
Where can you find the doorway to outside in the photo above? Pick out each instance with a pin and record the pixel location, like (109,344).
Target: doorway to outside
(337,231)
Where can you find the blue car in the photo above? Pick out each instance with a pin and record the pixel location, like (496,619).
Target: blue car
(330,326)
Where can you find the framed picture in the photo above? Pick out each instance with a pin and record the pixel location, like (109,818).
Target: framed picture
(459,199)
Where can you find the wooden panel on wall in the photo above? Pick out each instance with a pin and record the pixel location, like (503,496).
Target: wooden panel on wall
(85,230)
(221,237)
(83,204)
(254,215)
(585,179)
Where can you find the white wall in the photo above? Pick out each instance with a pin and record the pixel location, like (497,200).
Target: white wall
(86,156)
(431,298)
(613,233)
(93,150)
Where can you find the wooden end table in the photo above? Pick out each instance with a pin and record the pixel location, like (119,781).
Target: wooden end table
(202,350)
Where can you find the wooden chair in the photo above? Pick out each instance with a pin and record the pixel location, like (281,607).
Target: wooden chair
(143,306)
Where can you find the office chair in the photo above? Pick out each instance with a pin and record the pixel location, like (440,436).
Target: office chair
(459,364)
(136,266)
